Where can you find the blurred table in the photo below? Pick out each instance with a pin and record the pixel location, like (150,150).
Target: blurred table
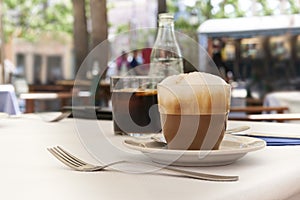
(28,171)
(261,113)
(278,117)
(30,98)
(8,100)
(102,95)
(258,109)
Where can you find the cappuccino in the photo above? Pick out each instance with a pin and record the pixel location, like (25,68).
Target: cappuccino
(194,109)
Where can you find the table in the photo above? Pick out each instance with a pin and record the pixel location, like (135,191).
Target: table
(258,109)
(31,97)
(273,114)
(103,93)
(278,117)
(8,100)
(28,171)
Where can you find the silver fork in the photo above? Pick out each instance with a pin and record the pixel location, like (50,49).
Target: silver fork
(80,165)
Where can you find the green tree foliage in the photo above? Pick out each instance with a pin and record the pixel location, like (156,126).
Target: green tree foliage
(27,18)
(208,9)
(205,8)
(265,8)
(294,8)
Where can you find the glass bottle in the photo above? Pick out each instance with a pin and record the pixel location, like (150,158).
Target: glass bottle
(166,58)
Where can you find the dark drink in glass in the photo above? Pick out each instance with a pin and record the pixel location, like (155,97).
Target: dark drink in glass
(135,106)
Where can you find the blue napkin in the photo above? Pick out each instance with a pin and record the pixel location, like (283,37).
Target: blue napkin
(278,141)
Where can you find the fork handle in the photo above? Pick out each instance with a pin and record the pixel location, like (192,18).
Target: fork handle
(203,176)
(190,174)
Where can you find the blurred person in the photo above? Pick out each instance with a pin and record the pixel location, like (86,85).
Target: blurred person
(146,53)
(123,64)
(217,56)
(137,64)
(134,60)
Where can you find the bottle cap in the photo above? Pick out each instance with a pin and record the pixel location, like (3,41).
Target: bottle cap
(166,16)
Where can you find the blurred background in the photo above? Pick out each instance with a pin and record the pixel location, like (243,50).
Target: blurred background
(254,43)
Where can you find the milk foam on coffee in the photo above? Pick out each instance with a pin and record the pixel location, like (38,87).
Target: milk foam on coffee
(193,93)
(193,109)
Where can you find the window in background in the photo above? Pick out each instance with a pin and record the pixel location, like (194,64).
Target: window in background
(20,68)
(37,69)
(54,69)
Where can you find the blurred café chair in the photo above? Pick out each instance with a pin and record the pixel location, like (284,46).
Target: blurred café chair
(8,100)
(290,99)
(21,86)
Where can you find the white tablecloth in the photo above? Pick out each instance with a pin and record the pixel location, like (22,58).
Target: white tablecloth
(28,171)
(8,100)
(290,99)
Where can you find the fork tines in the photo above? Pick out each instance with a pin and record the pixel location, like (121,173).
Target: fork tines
(66,157)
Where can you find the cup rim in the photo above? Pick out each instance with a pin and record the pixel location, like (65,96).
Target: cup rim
(136,76)
(193,84)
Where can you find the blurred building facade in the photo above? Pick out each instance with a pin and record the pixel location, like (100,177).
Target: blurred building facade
(263,51)
(43,61)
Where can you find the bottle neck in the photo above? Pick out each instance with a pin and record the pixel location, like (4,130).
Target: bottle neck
(166,23)
(166,30)
(166,59)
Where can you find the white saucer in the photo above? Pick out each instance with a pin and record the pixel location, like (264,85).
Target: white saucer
(232,148)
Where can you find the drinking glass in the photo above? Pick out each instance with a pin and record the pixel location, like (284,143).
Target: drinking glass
(134,105)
